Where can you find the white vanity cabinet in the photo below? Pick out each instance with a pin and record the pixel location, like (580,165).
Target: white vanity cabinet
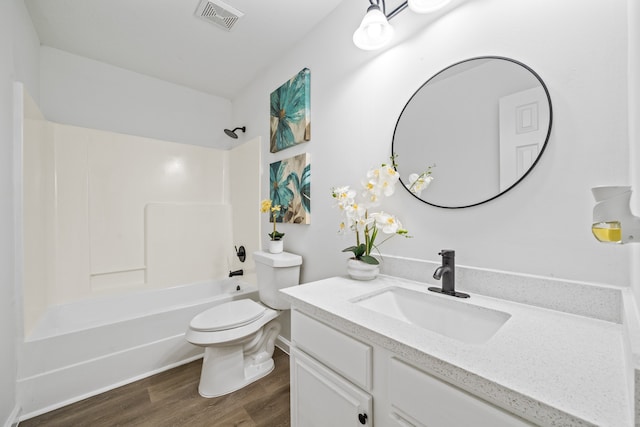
(336,379)
(330,376)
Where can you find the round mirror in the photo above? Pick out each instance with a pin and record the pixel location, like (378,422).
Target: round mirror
(477,127)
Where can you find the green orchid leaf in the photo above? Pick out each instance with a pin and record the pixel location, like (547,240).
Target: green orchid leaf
(276,235)
(369,259)
(353,249)
(358,251)
(372,239)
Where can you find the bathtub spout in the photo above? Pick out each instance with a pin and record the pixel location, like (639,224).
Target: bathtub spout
(236,273)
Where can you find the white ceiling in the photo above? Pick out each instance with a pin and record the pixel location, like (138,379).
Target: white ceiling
(164,38)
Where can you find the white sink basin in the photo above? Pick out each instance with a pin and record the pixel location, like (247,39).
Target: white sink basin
(441,314)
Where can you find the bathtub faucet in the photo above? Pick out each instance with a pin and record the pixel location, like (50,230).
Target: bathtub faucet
(236,273)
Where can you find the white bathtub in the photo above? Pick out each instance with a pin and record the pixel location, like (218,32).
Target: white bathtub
(84,348)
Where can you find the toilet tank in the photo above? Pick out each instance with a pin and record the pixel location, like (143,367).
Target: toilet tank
(274,272)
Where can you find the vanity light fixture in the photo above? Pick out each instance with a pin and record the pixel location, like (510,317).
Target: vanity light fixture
(426,6)
(613,221)
(375,31)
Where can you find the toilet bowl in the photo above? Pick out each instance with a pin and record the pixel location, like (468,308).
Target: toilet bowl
(239,336)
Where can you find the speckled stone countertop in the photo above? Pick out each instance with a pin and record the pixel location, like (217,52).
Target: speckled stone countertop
(549,367)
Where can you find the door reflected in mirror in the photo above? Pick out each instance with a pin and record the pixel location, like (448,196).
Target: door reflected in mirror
(483,123)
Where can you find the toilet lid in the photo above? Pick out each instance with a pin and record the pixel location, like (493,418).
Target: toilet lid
(229,315)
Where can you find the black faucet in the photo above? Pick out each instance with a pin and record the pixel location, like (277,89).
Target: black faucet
(236,273)
(447,272)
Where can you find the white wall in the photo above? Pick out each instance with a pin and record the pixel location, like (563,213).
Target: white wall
(87,93)
(578,47)
(634,129)
(18,61)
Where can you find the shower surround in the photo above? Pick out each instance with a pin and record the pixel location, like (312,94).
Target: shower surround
(114,217)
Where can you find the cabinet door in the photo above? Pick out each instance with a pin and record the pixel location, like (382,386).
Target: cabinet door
(339,352)
(321,398)
(419,399)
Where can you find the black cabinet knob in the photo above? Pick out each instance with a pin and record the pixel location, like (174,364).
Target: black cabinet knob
(362,418)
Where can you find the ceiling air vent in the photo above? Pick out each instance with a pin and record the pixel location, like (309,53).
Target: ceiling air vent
(219,13)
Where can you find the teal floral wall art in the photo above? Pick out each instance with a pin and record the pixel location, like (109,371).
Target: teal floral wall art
(290,187)
(290,112)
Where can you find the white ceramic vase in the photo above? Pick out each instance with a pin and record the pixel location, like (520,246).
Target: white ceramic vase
(360,270)
(276,246)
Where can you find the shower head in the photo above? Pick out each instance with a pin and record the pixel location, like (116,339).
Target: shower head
(232,133)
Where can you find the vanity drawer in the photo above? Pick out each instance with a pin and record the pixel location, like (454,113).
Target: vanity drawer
(342,353)
(423,400)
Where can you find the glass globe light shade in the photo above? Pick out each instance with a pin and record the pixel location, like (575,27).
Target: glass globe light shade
(374,32)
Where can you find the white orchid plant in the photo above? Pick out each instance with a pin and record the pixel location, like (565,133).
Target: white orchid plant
(379,183)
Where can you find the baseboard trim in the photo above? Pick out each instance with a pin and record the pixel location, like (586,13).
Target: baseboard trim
(283,344)
(14,417)
(96,376)
(140,362)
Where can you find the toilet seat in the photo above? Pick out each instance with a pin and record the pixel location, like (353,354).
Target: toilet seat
(231,336)
(230,315)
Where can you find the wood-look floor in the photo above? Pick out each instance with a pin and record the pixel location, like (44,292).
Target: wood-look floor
(171,399)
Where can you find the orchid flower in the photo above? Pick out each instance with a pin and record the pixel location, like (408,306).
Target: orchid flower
(378,183)
(267,206)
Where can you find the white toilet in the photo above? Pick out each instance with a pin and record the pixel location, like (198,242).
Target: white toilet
(239,336)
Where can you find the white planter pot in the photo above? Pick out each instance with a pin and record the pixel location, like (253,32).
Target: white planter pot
(359,270)
(276,246)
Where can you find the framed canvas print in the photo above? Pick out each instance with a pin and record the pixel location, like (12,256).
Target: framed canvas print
(290,112)
(290,187)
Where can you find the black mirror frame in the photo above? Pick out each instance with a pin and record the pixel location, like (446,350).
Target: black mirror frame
(544,146)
